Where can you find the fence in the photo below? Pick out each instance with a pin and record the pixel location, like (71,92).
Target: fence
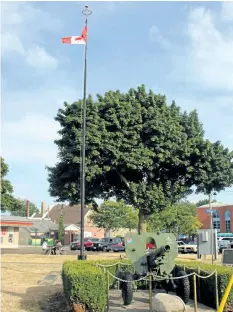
(150,276)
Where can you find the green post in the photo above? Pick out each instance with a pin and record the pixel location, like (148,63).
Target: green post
(150,292)
(107,290)
(216,290)
(195,292)
(199,284)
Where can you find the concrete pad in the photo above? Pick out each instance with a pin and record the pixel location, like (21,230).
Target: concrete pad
(141,303)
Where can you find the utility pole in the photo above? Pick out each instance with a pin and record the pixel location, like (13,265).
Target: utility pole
(211,228)
(82,256)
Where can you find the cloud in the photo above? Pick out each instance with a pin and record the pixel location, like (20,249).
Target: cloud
(207,61)
(227,11)
(155,36)
(30,140)
(37,57)
(11,43)
(22,32)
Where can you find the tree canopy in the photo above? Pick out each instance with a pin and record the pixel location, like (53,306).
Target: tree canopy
(179,219)
(20,207)
(115,215)
(9,203)
(138,149)
(7,199)
(202,202)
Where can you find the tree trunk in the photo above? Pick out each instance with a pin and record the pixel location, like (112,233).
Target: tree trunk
(141,223)
(106,233)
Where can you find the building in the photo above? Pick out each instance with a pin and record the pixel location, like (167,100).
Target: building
(222,217)
(10,227)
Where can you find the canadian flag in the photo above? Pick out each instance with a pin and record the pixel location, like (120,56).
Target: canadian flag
(77,39)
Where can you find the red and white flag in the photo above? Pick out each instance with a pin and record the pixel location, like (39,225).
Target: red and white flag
(77,39)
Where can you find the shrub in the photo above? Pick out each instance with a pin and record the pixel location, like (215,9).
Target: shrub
(207,294)
(85,283)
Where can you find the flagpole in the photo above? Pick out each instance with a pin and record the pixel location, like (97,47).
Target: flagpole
(82,256)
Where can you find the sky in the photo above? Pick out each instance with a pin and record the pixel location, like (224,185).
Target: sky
(180,49)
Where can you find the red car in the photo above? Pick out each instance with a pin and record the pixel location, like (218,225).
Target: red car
(88,244)
(150,246)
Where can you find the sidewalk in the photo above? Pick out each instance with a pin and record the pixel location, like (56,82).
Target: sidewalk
(141,303)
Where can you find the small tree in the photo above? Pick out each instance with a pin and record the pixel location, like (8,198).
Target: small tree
(178,219)
(61,229)
(202,202)
(7,199)
(115,215)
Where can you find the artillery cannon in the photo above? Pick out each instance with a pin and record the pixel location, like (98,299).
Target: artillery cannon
(155,253)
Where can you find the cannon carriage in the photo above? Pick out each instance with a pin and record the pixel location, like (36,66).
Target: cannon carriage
(153,253)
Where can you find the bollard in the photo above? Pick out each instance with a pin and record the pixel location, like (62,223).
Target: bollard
(150,292)
(199,284)
(226,294)
(216,290)
(195,291)
(107,290)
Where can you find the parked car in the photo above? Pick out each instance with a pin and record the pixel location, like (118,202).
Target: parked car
(223,244)
(191,247)
(108,244)
(88,244)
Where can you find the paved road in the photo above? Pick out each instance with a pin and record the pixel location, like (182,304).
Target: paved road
(28,250)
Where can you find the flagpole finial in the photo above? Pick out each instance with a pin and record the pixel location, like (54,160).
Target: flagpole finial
(86,11)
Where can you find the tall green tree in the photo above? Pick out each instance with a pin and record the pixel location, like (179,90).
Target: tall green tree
(61,229)
(115,215)
(19,207)
(214,169)
(139,149)
(7,199)
(202,202)
(179,219)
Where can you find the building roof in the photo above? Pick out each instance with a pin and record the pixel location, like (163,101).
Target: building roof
(71,214)
(215,205)
(15,221)
(43,226)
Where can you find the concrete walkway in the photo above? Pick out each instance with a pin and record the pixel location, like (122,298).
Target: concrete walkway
(141,303)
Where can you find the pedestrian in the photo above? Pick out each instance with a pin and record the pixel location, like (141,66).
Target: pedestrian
(45,247)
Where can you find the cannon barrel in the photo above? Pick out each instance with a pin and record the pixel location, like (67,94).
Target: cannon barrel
(160,251)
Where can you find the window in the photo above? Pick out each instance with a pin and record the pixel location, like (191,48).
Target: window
(216,220)
(228,221)
(10,238)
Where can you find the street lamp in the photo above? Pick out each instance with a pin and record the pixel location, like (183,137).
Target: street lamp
(211,227)
(85,12)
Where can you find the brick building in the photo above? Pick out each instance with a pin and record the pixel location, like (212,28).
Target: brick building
(222,217)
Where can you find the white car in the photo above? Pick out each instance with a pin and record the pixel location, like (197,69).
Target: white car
(191,247)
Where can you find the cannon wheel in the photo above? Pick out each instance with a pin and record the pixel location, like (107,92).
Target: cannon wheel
(127,289)
(183,287)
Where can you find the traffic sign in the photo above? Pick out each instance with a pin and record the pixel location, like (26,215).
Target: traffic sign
(210,211)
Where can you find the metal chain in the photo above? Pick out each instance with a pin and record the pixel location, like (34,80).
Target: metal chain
(111,265)
(172,278)
(126,281)
(207,275)
(159,277)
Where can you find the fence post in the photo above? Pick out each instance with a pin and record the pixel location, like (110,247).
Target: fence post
(150,292)
(216,289)
(199,284)
(195,291)
(107,290)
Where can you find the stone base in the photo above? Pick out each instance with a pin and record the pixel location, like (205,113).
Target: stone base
(162,302)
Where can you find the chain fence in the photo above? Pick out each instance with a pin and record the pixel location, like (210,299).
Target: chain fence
(150,276)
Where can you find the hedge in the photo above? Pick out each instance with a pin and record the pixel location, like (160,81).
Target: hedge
(207,294)
(85,283)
